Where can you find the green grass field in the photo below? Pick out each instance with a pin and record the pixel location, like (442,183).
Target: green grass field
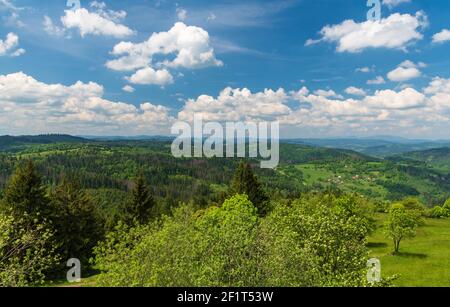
(423,261)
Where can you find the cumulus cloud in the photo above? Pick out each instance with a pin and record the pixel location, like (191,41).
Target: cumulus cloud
(150,76)
(439,90)
(389,99)
(190,44)
(98,22)
(128,89)
(237,105)
(9,45)
(441,37)
(355,91)
(320,112)
(186,46)
(394,32)
(438,85)
(377,81)
(327,93)
(30,106)
(405,71)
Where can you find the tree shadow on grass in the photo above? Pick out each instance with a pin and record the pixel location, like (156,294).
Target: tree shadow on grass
(376,244)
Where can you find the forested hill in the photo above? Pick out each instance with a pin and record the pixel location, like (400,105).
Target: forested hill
(108,168)
(377,147)
(9,143)
(438,158)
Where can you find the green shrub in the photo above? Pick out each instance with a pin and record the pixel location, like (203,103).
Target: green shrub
(314,241)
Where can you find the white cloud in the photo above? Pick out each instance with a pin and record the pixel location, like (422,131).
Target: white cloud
(186,47)
(181,14)
(18,52)
(364,70)
(405,71)
(98,5)
(377,81)
(191,46)
(438,85)
(439,89)
(112,15)
(31,106)
(150,76)
(441,37)
(237,105)
(211,17)
(319,113)
(128,89)
(101,22)
(388,99)
(8,5)
(394,3)
(394,32)
(52,29)
(355,91)
(327,93)
(9,46)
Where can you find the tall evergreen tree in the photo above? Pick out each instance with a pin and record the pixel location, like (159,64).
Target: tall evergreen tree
(140,208)
(246,182)
(76,221)
(24,196)
(26,203)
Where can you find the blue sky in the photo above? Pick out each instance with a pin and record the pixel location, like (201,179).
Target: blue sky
(319,67)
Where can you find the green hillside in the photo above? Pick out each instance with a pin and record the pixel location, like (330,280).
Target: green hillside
(111,165)
(106,172)
(438,158)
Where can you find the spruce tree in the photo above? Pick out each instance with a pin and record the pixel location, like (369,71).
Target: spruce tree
(24,196)
(140,209)
(76,221)
(26,203)
(245,182)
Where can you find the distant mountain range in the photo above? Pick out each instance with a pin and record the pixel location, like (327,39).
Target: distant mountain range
(128,138)
(377,147)
(381,146)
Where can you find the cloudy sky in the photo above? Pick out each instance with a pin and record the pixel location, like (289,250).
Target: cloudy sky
(320,67)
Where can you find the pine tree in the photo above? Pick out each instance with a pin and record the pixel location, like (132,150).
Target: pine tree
(26,203)
(245,182)
(76,221)
(24,196)
(141,207)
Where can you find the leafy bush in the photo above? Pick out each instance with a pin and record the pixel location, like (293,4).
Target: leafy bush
(438,212)
(447,205)
(25,253)
(314,241)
